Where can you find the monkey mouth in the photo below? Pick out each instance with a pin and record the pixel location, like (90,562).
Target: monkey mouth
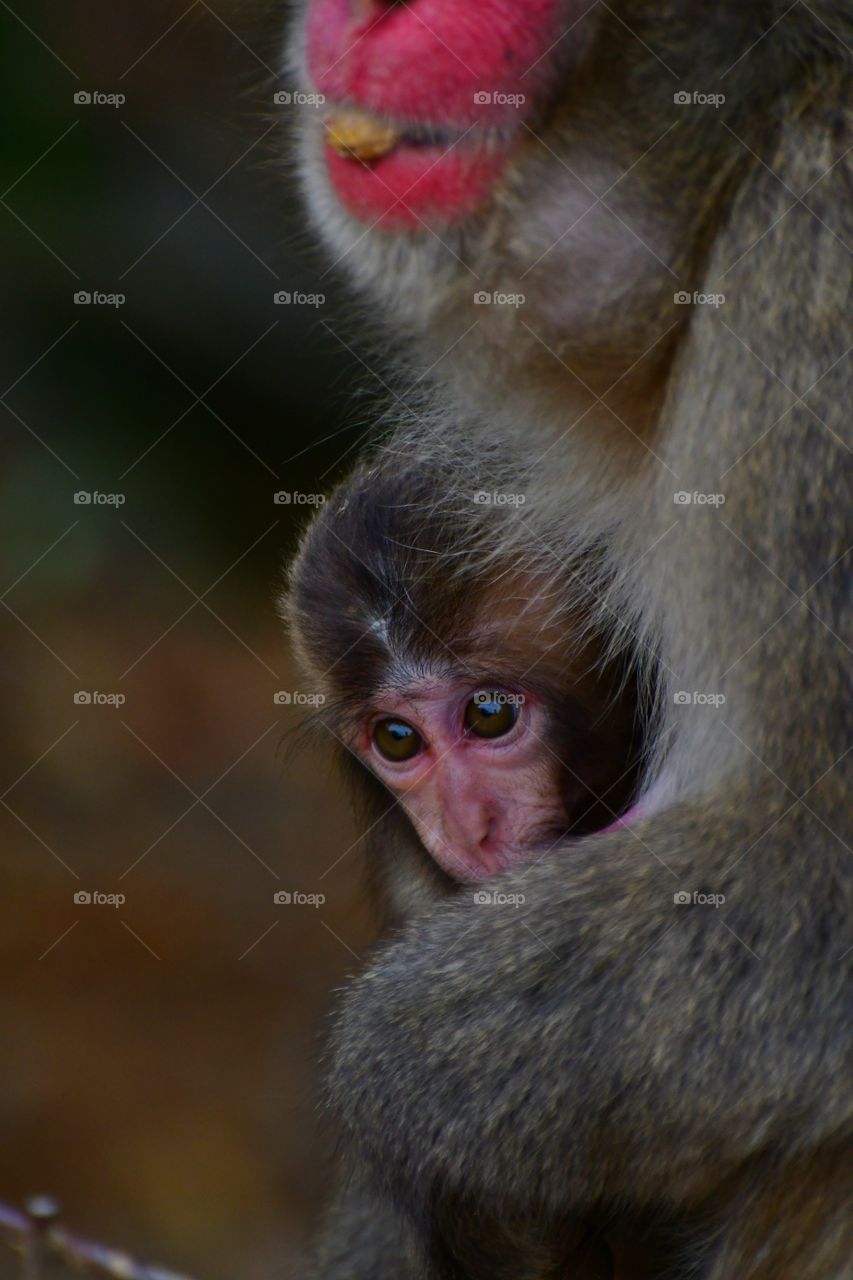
(405,177)
(362,135)
(463,78)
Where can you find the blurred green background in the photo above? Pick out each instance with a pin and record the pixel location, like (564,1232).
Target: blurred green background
(158,1063)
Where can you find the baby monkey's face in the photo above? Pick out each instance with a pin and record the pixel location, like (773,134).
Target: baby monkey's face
(473,769)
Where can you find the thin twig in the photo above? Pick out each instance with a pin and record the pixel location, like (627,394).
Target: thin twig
(35,1233)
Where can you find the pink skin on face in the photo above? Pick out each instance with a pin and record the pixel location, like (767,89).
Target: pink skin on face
(479,805)
(472,71)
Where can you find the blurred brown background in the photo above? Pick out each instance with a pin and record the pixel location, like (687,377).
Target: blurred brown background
(158,1059)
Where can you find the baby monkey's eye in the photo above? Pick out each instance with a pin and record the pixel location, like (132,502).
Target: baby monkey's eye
(396,740)
(490,714)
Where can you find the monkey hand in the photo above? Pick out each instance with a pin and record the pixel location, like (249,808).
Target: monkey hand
(548,1037)
(479,1040)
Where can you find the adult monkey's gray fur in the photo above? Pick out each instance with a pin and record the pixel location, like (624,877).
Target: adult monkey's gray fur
(604,1055)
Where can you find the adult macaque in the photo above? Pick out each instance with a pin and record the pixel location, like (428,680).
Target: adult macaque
(621,234)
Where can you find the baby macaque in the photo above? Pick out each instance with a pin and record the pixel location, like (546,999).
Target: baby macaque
(456,679)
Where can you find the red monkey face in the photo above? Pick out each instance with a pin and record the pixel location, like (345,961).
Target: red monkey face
(473,771)
(427,99)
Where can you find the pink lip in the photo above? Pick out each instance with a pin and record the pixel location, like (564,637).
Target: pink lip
(415,186)
(454,66)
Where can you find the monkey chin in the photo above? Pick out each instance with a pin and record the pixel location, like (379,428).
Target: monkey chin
(473,867)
